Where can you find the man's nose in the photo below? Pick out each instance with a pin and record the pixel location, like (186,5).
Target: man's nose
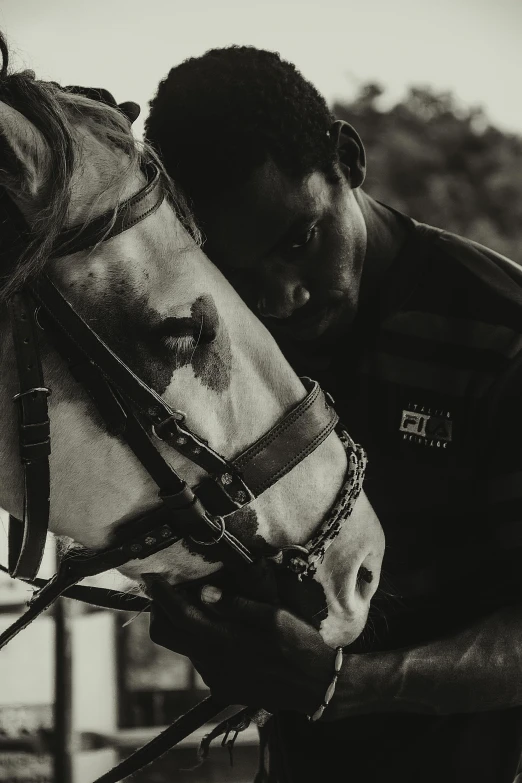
(280,298)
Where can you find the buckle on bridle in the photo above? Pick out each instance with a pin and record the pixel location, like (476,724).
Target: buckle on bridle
(294,557)
(35,390)
(232,730)
(176,416)
(215,540)
(36,317)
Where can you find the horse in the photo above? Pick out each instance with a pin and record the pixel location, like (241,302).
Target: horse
(148,294)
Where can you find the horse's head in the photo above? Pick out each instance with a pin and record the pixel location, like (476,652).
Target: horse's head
(156,300)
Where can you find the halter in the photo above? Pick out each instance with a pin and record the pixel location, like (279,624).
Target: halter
(133,411)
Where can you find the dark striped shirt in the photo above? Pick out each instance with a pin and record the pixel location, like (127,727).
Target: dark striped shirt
(430,382)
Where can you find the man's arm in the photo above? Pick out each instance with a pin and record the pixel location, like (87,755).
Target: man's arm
(253,654)
(475,670)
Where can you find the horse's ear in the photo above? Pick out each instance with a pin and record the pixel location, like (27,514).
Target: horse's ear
(24,157)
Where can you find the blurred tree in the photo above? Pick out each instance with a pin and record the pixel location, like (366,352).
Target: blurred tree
(442,164)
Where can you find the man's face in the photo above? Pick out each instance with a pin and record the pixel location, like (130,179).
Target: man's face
(293,249)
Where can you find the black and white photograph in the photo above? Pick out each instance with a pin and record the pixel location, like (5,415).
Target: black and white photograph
(261,391)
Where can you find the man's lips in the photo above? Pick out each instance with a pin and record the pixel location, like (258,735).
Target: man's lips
(311,320)
(308,312)
(308,320)
(306,326)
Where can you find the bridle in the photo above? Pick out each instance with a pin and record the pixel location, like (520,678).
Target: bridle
(133,411)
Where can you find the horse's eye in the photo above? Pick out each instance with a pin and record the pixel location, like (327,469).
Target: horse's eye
(201,330)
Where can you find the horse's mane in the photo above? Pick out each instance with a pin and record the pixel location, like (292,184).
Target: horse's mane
(54,111)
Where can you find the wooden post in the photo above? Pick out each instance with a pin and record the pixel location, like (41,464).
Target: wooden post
(125,715)
(64,744)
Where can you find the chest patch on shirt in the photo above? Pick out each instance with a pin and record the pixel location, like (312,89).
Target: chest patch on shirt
(426,426)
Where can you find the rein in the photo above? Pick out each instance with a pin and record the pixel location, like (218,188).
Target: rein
(135,412)
(102,597)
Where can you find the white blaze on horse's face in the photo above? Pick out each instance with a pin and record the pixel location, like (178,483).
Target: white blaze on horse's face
(227,374)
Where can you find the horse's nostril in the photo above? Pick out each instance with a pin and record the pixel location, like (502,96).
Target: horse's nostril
(365,575)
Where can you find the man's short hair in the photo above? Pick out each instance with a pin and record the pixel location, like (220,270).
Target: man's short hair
(218,117)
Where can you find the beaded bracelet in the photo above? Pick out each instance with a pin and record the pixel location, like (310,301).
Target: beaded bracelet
(331,688)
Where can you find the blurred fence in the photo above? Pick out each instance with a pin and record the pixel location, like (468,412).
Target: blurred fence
(81,688)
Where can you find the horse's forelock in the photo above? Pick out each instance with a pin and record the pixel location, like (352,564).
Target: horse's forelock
(37,102)
(106,123)
(55,112)
(110,126)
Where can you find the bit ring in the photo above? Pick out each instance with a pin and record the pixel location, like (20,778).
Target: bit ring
(215,540)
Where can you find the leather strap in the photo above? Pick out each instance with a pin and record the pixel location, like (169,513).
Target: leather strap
(289,441)
(14,232)
(27,539)
(193,719)
(101,597)
(111,223)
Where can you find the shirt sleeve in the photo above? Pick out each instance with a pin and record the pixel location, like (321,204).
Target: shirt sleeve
(502,481)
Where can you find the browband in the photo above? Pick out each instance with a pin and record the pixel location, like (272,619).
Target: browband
(114,222)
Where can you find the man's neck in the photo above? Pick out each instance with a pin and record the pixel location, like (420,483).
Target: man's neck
(385,236)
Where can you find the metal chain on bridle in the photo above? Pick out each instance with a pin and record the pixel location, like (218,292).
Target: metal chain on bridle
(134,412)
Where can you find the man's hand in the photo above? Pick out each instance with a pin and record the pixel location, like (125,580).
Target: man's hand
(247,652)
(254,654)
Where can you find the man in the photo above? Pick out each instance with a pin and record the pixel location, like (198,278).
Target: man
(418,336)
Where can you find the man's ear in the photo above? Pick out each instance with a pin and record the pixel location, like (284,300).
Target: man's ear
(24,158)
(350,150)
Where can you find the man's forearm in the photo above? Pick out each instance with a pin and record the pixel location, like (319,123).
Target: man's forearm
(476,670)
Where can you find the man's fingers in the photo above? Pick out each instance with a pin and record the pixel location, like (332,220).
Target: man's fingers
(177,606)
(180,609)
(182,625)
(237,608)
(162,632)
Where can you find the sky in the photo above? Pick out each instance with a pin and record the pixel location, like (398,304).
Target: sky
(471,47)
